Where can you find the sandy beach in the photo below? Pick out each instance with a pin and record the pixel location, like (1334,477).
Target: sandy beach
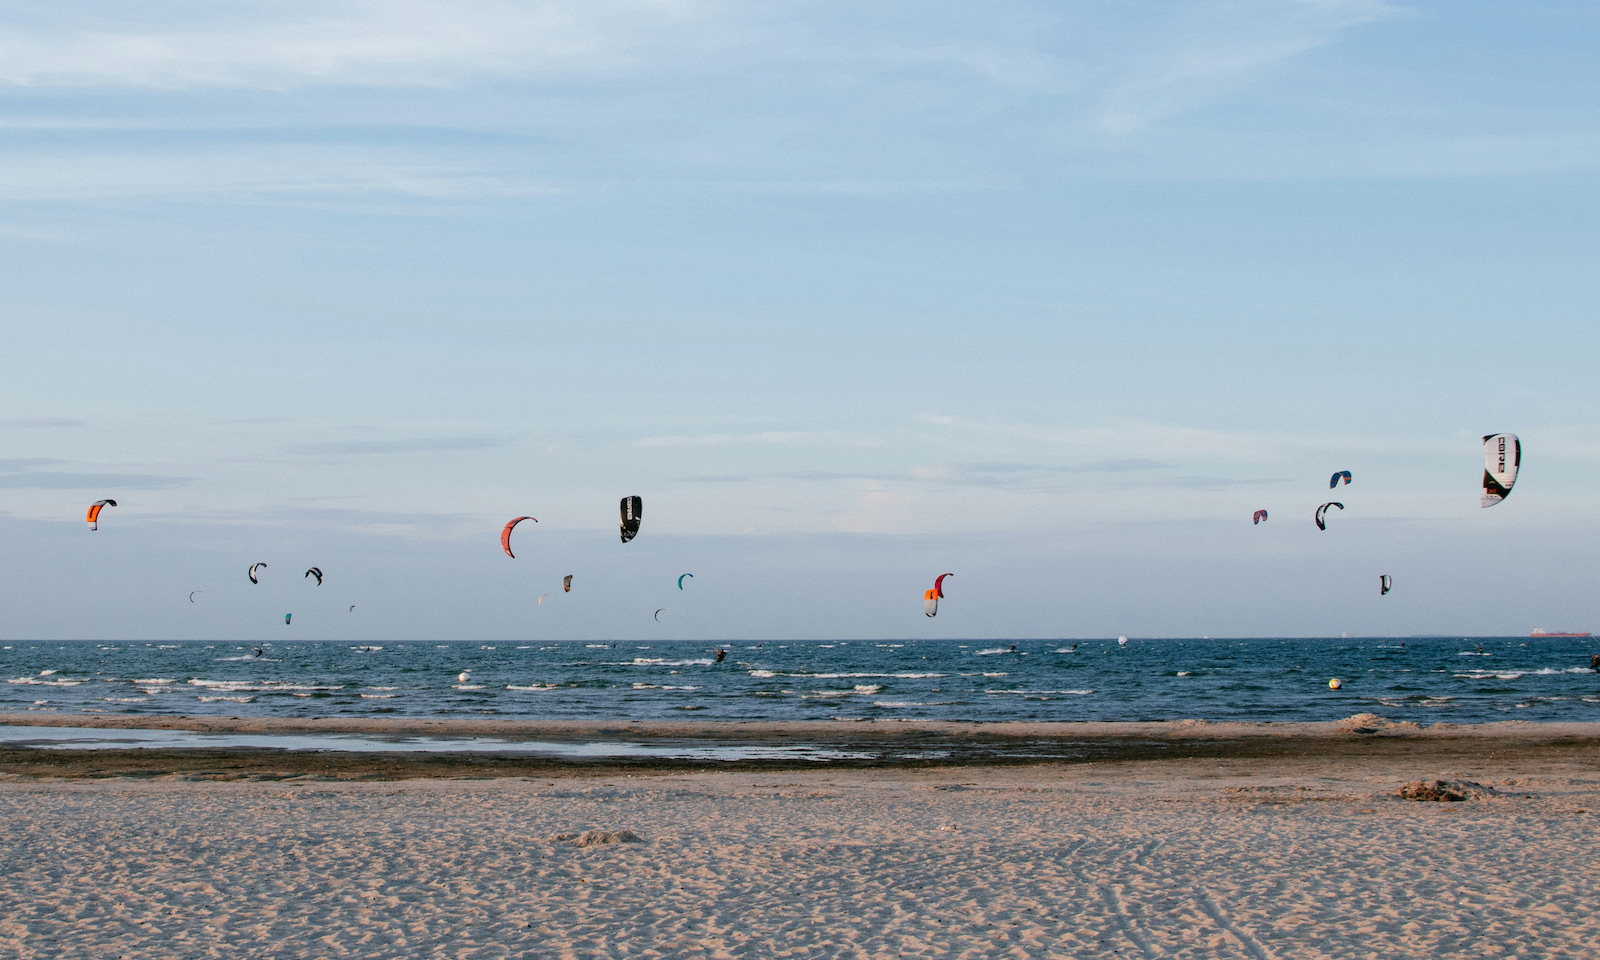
(1298,854)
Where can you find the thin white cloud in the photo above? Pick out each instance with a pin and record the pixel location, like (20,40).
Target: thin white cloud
(180,45)
(1125,440)
(783,438)
(1211,49)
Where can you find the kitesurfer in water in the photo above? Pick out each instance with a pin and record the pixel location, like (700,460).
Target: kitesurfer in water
(721,654)
(1013,648)
(258,651)
(1594,663)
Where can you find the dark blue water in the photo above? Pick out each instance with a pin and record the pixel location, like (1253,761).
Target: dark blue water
(1428,680)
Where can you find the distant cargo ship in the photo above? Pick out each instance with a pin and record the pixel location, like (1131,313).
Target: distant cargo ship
(1558,633)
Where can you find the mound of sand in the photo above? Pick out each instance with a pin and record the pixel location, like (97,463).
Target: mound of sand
(595,838)
(1445,790)
(1372,723)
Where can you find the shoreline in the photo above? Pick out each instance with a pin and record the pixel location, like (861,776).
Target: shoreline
(864,745)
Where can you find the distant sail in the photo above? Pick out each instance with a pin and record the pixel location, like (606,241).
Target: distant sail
(1502,455)
(315,572)
(680,580)
(253,568)
(1334,480)
(1384,583)
(930,603)
(1260,515)
(566,583)
(1322,513)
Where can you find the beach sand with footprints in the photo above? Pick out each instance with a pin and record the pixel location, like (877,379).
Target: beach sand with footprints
(1305,851)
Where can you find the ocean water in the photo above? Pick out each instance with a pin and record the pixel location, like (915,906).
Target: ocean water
(1456,680)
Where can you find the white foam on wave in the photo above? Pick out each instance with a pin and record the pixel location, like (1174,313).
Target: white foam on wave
(205,699)
(123,699)
(36,682)
(379,696)
(467,686)
(261,686)
(156,681)
(1040,693)
(992,675)
(991,651)
(1488,675)
(657,662)
(869,688)
(763,674)
(533,686)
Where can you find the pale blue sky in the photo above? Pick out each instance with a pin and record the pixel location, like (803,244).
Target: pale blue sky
(1049,295)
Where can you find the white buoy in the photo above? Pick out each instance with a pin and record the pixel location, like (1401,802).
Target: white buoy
(1334,684)
(462,678)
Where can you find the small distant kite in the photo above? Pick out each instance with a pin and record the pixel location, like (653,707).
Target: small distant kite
(1322,513)
(657,614)
(1502,455)
(541,598)
(1384,583)
(1260,515)
(938,584)
(632,513)
(315,572)
(1333,481)
(253,568)
(192,593)
(94,512)
(566,583)
(505,535)
(287,617)
(352,609)
(680,580)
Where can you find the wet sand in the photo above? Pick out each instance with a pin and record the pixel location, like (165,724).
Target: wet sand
(869,745)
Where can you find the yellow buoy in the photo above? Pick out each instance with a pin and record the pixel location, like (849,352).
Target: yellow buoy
(1334,684)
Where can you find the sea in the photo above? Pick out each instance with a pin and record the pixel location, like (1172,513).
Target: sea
(1422,679)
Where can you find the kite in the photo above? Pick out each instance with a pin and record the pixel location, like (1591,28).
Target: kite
(315,572)
(657,614)
(94,512)
(632,513)
(1502,455)
(930,603)
(253,568)
(680,580)
(1260,515)
(541,598)
(566,583)
(938,585)
(1322,513)
(287,617)
(192,593)
(1384,583)
(1333,481)
(505,535)
(352,609)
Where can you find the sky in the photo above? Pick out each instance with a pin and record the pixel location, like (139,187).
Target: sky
(1051,296)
